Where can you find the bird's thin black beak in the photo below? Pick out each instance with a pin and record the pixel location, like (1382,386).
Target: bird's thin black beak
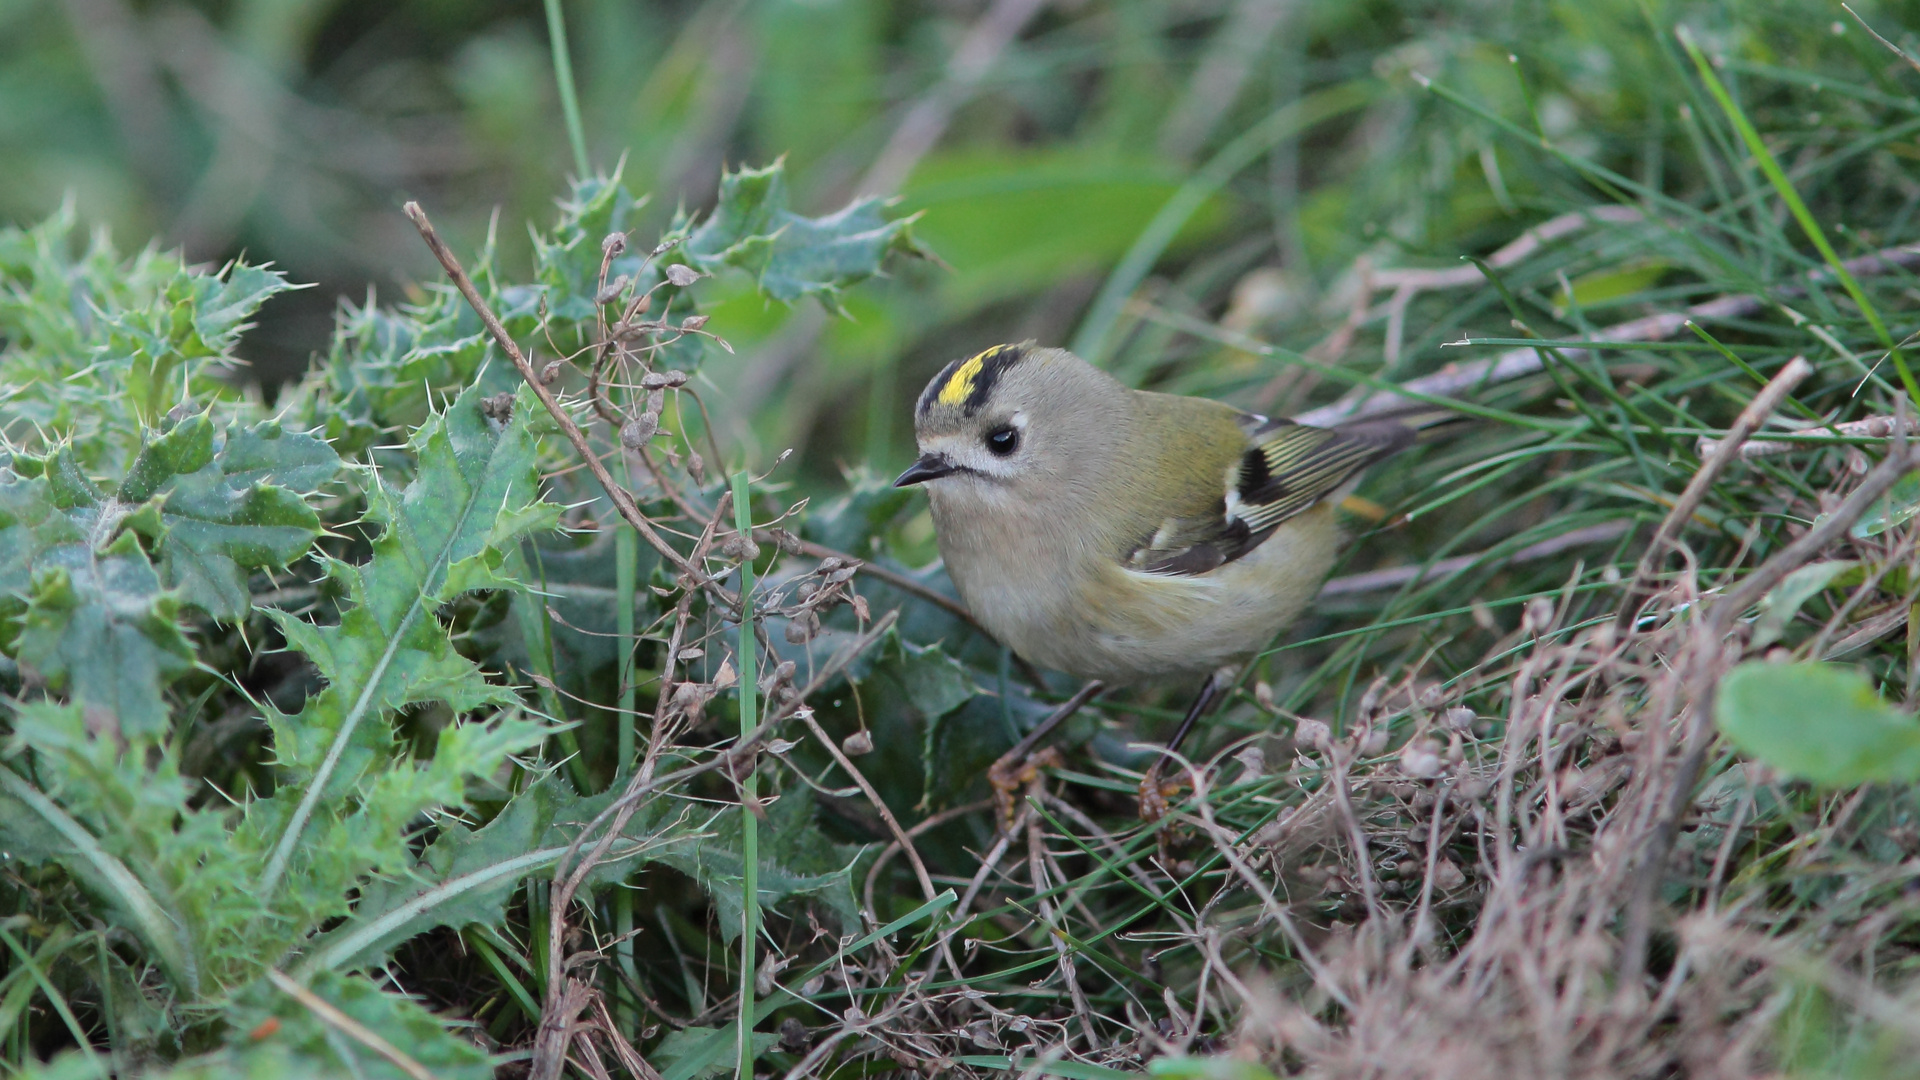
(929,467)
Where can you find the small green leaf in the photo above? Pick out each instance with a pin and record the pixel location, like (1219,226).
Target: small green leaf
(1613,283)
(701,1047)
(1897,507)
(1817,722)
(936,683)
(1784,602)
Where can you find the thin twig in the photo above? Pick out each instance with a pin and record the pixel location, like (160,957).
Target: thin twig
(1872,427)
(622,501)
(1455,379)
(1749,421)
(1397,576)
(1037,877)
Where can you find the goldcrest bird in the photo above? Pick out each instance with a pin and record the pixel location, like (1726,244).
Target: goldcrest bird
(1123,535)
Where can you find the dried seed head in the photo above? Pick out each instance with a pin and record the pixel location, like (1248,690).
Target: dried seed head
(1263,694)
(1457,719)
(860,742)
(635,433)
(693,322)
(611,290)
(1254,760)
(1370,701)
(980,1033)
(829,564)
(642,305)
(843,575)
(498,406)
(550,372)
(1370,741)
(802,627)
(683,275)
(656,380)
(1421,758)
(614,244)
(1312,733)
(1447,876)
(1539,615)
(1603,637)
(786,541)
(690,699)
(697,465)
(740,548)
(656,400)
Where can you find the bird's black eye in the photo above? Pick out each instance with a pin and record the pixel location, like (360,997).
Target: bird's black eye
(1003,440)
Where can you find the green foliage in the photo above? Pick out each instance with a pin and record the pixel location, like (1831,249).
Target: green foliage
(94,576)
(376,756)
(789,256)
(1817,722)
(99,348)
(122,594)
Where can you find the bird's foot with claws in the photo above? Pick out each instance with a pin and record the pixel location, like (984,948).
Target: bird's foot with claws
(1010,777)
(1154,793)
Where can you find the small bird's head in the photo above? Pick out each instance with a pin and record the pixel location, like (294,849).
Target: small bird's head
(1012,413)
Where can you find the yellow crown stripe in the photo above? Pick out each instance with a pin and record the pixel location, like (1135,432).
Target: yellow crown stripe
(960,386)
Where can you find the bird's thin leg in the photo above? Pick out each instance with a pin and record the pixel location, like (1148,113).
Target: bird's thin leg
(1016,767)
(1153,796)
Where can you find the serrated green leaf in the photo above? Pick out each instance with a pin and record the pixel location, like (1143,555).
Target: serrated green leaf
(100,627)
(34,828)
(98,346)
(97,617)
(231,510)
(936,683)
(788,255)
(696,1043)
(795,860)
(1817,722)
(475,492)
(93,617)
(467,876)
(303,1044)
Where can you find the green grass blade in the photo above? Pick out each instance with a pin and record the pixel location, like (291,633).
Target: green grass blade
(162,932)
(563,78)
(749,833)
(1094,338)
(1798,207)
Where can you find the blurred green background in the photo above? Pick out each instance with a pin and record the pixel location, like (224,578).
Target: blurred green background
(1037,140)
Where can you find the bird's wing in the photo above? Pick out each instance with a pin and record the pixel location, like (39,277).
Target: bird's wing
(1287,468)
